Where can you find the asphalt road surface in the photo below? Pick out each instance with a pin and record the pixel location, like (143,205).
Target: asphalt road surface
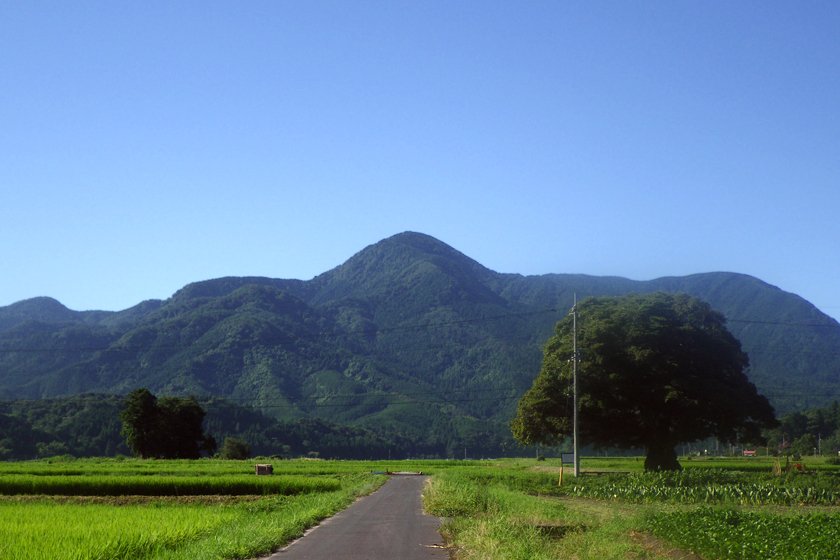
(387,525)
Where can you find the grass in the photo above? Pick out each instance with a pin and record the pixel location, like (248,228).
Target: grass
(165,485)
(164,529)
(491,520)
(515,510)
(150,509)
(49,530)
(503,509)
(735,534)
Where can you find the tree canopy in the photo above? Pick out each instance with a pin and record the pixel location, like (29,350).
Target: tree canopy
(165,428)
(654,370)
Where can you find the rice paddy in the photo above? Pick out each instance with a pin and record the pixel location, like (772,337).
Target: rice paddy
(501,509)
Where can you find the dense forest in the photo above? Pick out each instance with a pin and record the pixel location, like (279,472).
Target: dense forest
(89,426)
(409,347)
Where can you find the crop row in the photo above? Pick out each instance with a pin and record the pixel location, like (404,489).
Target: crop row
(34,531)
(54,529)
(165,485)
(741,535)
(743,494)
(713,487)
(210,467)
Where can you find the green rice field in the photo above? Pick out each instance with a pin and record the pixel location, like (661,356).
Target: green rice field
(101,509)
(502,509)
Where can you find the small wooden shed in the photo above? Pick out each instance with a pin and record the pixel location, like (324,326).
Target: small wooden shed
(264,469)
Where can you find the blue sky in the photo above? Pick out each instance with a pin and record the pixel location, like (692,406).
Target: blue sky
(147,145)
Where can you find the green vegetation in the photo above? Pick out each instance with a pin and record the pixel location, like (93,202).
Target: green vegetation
(234,448)
(735,534)
(658,370)
(99,509)
(166,428)
(409,347)
(178,485)
(804,433)
(501,509)
(715,486)
(516,510)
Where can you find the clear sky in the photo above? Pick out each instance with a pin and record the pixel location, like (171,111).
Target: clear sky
(146,145)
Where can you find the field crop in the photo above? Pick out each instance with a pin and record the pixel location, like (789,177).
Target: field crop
(714,486)
(166,509)
(168,485)
(744,535)
(503,509)
(516,510)
(50,530)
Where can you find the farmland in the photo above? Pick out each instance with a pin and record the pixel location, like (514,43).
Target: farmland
(725,509)
(165,509)
(113,508)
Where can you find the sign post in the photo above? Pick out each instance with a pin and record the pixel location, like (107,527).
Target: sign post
(565,459)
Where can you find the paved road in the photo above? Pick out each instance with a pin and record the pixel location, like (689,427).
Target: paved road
(387,525)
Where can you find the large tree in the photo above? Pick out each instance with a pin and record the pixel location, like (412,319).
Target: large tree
(654,370)
(140,422)
(166,428)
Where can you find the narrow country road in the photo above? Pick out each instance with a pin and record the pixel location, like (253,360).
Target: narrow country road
(387,525)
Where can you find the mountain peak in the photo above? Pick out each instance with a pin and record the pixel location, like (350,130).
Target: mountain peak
(401,260)
(42,309)
(415,239)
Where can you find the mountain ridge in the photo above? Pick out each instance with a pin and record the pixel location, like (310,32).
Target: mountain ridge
(406,336)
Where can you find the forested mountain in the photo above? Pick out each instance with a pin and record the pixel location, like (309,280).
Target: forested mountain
(407,337)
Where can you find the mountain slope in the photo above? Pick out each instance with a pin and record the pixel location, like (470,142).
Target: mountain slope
(408,336)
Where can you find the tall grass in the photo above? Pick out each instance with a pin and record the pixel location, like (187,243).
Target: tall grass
(111,485)
(166,529)
(492,515)
(46,530)
(516,510)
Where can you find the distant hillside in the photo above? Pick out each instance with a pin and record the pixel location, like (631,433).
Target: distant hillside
(409,337)
(89,426)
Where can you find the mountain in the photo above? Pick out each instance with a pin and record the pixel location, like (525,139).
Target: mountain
(408,337)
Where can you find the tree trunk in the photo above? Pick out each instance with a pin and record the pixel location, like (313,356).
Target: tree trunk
(661,457)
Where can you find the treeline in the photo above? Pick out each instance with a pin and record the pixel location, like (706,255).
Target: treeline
(804,433)
(90,426)
(81,426)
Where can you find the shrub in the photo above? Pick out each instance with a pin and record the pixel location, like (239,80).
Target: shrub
(234,448)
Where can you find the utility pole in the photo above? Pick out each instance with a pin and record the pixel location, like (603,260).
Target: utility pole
(575,389)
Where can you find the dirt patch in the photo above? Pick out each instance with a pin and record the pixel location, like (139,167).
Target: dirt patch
(661,548)
(559,530)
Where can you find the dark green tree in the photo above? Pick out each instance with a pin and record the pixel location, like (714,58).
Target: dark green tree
(654,370)
(17,439)
(141,423)
(180,425)
(166,428)
(235,448)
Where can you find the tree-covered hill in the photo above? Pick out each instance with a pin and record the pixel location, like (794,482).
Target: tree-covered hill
(408,337)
